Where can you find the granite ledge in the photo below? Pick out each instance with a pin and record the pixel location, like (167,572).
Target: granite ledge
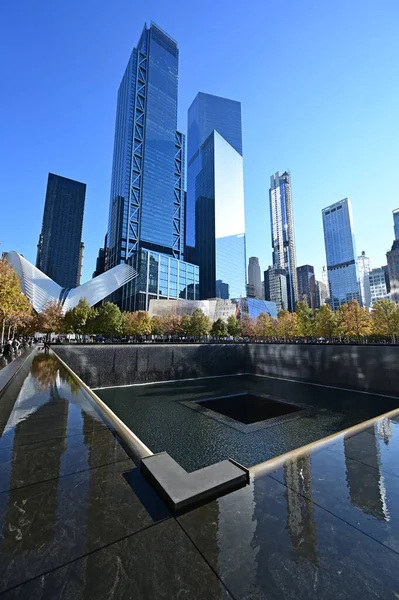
(181,490)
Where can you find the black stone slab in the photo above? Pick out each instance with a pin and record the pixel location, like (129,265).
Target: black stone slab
(267,541)
(157,563)
(45,525)
(42,461)
(181,490)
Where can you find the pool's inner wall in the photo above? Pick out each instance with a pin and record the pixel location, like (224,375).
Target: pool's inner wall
(368,368)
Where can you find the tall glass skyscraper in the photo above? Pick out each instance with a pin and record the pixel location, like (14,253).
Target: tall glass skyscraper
(282,229)
(343,277)
(215,224)
(147,187)
(60,247)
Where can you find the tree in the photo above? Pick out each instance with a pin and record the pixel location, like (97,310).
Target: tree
(172,325)
(287,324)
(353,320)
(304,319)
(157,325)
(51,319)
(137,323)
(200,323)
(185,325)
(325,322)
(108,320)
(80,319)
(385,317)
(233,326)
(247,326)
(219,328)
(12,301)
(265,326)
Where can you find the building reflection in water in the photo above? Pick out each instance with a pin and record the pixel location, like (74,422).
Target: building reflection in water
(366,484)
(384,429)
(28,424)
(300,516)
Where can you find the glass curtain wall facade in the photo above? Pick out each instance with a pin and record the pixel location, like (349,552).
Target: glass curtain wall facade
(163,277)
(147,186)
(282,231)
(215,226)
(60,249)
(343,277)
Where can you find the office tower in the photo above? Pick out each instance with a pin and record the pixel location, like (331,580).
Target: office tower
(343,278)
(377,285)
(321,293)
(324,276)
(276,289)
(215,195)
(254,280)
(100,263)
(396,222)
(146,216)
(306,285)
(393,271)
(60,247)
(363,267)
(282,229)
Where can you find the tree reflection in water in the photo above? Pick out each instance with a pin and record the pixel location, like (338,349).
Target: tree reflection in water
(46,367)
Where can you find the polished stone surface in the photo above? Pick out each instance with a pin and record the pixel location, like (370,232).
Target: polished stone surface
(157,563)
(158,413)
(307,531)
(182,490)
(78,520)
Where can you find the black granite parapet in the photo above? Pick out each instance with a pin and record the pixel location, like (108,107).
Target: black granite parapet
(368,368)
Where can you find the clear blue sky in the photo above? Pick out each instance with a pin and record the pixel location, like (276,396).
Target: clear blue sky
(319,86)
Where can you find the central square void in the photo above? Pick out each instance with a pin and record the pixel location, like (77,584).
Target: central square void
(248,408)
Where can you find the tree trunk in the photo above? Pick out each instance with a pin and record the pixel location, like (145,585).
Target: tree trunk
(9,331)
(2,332)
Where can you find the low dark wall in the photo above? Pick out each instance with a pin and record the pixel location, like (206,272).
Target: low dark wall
(367,368)
(370,368)
(101,366)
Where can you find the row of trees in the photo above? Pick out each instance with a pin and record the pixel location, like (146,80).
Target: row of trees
(350,321)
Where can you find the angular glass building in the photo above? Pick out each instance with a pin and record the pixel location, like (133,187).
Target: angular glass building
(147,186)
(60,248)
(343,277)
(282,231)
(162,277)
(215,223)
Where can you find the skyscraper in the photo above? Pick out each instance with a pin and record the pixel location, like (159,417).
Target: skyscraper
(363,267)
(215,228)
(276,287)
(321,293)
(378,285)
(254,280)
(282,228)
(343,278)
(60,248)
(306,285)
(396,222)
(393,271)
(146,216)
